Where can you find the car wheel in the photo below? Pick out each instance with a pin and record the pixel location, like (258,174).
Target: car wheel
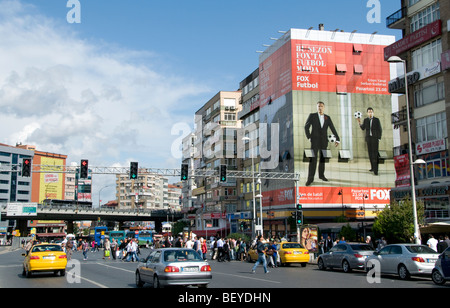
(62,272)
(403,272)
(321,264)
(156,284)
(139,282)
(346,266)
(437,277)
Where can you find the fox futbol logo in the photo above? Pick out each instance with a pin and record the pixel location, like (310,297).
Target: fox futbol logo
(380,194)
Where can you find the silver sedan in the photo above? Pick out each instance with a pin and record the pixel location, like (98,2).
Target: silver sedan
(404,260)
(173,266)
(347,256)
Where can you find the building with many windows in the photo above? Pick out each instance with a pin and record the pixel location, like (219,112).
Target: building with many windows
(148,191)
(425,46)
(14,187)
(207,200)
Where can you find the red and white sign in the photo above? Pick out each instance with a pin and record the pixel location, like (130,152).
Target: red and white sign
(414,39)
(402,170)
(336,67)
(430,146)
(327,195)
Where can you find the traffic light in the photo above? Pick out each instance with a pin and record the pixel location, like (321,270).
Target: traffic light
(84,169)
(26,167)
(223,173)
(299,214)
(133,170)
(184,172)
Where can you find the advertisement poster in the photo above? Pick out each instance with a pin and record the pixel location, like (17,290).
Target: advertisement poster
(334,121)
(309,237)
(51,184)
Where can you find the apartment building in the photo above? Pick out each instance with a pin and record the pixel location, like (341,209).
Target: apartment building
(207,200)
(148,191)
(425,46)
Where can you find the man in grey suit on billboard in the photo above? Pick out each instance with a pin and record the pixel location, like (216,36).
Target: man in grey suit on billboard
(316,129)
(372,126)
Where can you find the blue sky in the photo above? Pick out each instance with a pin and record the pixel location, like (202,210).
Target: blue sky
(111,88)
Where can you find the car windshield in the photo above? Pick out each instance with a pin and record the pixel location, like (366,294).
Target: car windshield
(420,249)
(359,247)
(42,248)
(292,245)
(182,255)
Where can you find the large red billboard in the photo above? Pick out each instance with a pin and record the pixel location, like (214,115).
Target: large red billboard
(339,67)
(336,67)
(347,76)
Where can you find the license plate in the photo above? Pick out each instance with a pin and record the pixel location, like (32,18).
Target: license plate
(298,252)
(48,257)
(190,269)
(431,260)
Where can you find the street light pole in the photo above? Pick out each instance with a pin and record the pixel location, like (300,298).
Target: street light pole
(253,188)
(395,59)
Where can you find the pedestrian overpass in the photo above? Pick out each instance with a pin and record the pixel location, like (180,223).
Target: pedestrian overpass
(82,213)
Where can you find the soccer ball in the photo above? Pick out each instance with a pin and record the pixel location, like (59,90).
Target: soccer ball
(332,138)
(358,115)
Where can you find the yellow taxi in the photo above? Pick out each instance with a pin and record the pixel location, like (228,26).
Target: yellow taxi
(293,253)
(45,258)
(252,254)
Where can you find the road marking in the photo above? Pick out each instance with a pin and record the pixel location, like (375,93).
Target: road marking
(122,269)
(246,277)
(91,281)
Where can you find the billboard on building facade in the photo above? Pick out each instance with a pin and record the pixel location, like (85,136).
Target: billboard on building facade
(341,155)
(51,184)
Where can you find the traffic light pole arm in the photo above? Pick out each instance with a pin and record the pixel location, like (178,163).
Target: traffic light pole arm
(159,171)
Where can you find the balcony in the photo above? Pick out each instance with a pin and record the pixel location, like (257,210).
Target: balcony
(397,20)
(400,117)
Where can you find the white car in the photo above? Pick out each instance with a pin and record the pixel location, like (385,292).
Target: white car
(404,260)
(441,271)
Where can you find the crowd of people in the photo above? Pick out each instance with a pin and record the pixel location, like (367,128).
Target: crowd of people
(219,248)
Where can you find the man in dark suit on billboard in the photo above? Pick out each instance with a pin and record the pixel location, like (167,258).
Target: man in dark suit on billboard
(372,126)
(316,129)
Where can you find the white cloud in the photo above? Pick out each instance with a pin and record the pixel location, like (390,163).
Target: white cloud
(85,99)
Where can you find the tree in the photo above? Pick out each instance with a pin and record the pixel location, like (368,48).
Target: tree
(396,221)
(348,233)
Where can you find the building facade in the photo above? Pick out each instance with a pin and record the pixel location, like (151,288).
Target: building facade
(305,73)
(425,47)
(207,200)
(148,191)
(14,187)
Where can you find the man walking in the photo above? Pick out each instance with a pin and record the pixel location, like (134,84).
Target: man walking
(316,129)
(261,255)
(372,126)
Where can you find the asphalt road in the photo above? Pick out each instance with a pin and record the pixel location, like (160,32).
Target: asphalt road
(227,276)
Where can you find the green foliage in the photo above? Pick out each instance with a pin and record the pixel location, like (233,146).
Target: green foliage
(348,233)
(237,236)
(396,221)
(178,227)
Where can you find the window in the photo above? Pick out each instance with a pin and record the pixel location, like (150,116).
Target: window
(412,2)
(436,166)
(396,250)
(429,92)
(425,17)
(432,127)
(229,116)
(427,54)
